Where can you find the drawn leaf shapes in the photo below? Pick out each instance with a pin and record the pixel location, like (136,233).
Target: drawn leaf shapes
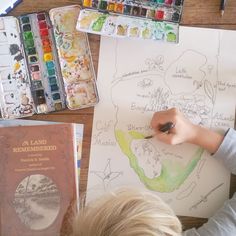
(197,83)
(208,88)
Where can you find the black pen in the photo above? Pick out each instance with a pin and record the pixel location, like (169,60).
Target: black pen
(222,7)
(163,128)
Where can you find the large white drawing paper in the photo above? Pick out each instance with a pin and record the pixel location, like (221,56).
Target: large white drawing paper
(138,78)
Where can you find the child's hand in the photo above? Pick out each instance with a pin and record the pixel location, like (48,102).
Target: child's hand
(183,131)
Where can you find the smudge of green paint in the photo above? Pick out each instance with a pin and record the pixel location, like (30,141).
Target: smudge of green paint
(98,24)
(173,173)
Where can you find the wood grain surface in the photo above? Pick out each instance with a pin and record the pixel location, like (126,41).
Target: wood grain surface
(199,13)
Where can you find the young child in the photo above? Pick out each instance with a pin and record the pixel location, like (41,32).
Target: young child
(129,212)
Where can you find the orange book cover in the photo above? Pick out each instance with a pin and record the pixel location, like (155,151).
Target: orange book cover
(37,179)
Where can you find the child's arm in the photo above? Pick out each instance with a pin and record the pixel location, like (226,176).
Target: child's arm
(223,223)
(186,132)
(224,148)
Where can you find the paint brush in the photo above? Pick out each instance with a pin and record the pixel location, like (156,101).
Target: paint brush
(163,128)
(222,7)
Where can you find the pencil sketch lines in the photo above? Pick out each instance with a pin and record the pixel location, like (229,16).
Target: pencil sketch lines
(204,198)
(107,175)
(187,191)
(156,63)
(201,164)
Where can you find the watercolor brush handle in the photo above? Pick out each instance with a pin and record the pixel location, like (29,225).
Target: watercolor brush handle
(222,7)
(163,128)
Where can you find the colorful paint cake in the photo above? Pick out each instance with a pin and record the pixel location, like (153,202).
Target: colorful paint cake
(164,10)
(47,88)
(121,26)
(15,95)
(75,58)
(132,16)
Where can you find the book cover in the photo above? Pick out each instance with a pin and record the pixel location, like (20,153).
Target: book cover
(37,178)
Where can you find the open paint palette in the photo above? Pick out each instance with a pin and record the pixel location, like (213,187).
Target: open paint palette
(46,85)
(39,74)
(150,19)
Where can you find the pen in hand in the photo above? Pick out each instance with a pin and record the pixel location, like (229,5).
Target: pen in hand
(163,128)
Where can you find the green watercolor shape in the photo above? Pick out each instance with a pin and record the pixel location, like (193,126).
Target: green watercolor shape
(173,173)
(98,24)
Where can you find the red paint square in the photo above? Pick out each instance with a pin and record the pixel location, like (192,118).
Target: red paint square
(169,2)
(159,15)
(44,32)
(43,25)
(46,42)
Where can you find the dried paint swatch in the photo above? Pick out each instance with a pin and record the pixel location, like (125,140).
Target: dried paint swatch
(15,94)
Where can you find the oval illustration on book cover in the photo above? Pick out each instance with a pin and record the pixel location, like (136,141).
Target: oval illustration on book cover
(37,201)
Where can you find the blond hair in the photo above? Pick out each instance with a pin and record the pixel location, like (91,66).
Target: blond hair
(127,212)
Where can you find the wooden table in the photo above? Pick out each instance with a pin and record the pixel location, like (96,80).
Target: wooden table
(196,13)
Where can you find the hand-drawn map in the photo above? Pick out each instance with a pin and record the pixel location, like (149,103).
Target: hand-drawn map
(137,78)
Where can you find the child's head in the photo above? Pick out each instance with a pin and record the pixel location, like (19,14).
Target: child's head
(127,212)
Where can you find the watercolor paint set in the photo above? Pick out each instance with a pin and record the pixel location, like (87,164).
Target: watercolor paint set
(75,58)
(120,26)
(146,19)
(41,55)
(44,67)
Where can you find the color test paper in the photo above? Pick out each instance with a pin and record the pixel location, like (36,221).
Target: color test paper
(137,79)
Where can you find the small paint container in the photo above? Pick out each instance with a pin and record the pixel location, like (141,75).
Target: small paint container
(25,20)
(99,22)
(37,85)
(47,49)
(26,27)
(52,80)
(171,37)
(48,57)
(151,13)
(43,25)
(127,9)
(95,4)
(110,25)
(44,32)
(178,2)
(54,87)
(87,3)
(168,14)
(159,15)
(143,12)
(31,51)
(168,2)
(40,96)
(119,8)
(33,59)
(135,11)
(36,75)
(111,6)
(56,96)
(122,26)
(102,5)
(41,17)
(176,17)
(134,29)
(34,68)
